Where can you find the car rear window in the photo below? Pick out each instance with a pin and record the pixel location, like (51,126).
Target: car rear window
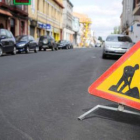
(42,38)
(119,39)
(22,38)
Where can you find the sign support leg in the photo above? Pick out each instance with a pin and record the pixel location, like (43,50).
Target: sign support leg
(120,108)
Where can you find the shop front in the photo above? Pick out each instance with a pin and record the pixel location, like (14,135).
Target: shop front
(43,29)
(56,34)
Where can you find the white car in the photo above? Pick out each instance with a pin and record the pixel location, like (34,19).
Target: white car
(116,45)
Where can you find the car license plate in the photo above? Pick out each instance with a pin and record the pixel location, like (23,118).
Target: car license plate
(45,46)
(121,51)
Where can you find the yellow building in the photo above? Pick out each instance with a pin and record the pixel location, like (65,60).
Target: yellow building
(45,17)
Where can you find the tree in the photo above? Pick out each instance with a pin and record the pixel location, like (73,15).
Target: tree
(116,30)
(100,38)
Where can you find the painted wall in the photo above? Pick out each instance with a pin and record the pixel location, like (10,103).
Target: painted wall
(135,34)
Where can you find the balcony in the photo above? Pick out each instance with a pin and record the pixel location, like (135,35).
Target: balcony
(22,9)
(136,10)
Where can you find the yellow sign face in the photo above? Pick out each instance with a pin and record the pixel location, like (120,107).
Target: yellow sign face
(125,80)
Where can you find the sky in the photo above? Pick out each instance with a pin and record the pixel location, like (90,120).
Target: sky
(105,14)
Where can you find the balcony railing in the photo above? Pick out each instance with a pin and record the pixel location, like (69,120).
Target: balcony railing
(10,4)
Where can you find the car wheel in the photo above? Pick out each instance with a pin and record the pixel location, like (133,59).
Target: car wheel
(14,51)
(53,48)
(44,49)
(36,49)
(67,47)
(1,51)
(104,56)
(56,48)
(27,50)
(40,49)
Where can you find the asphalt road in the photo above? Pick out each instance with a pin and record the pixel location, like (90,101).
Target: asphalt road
(41,96)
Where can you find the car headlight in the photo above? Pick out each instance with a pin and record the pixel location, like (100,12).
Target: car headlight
(127,50)
(45,41)
(21,45)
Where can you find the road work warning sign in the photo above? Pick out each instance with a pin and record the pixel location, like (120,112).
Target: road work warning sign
(121,82)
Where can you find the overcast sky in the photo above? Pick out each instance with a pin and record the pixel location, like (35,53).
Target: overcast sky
(105,14)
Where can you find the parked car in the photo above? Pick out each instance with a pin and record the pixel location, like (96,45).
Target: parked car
(25,43)
(70,45)
(7,42)
(47,42)
(64,44)
(98,45)
(116,45)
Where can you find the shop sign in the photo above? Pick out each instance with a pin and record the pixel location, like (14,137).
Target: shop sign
(44,26)
(131,28)
(40,25)
(22,2)
(48,26)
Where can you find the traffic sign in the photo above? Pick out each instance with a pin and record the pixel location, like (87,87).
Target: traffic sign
(121,82)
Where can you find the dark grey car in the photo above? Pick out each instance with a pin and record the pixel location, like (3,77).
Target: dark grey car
(7,42)
(47,42)
(116,45)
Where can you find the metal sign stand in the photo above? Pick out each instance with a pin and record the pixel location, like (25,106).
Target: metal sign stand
(120,108)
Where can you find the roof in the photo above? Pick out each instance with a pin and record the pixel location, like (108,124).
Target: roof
(59,3)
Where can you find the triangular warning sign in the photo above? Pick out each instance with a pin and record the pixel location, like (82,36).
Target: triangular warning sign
(121,82)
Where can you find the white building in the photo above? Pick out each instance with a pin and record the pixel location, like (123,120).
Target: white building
(76,29)
(67,20)
(130,19)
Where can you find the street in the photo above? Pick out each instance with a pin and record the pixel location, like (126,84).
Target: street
(42,94)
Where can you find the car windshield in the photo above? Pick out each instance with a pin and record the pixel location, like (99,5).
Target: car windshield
(61,41)
(118,39)
(2,32)
(42,38)
(22,38)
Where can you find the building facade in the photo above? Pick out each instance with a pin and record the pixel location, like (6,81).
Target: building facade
(14,18)
(76,29)
(130,19)
(45,17)
(67,21)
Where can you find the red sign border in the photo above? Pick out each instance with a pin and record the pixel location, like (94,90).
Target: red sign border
(93,91)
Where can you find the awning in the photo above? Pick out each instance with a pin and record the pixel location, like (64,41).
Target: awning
(5,13)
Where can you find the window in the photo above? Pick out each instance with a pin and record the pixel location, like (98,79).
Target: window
(47,8)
